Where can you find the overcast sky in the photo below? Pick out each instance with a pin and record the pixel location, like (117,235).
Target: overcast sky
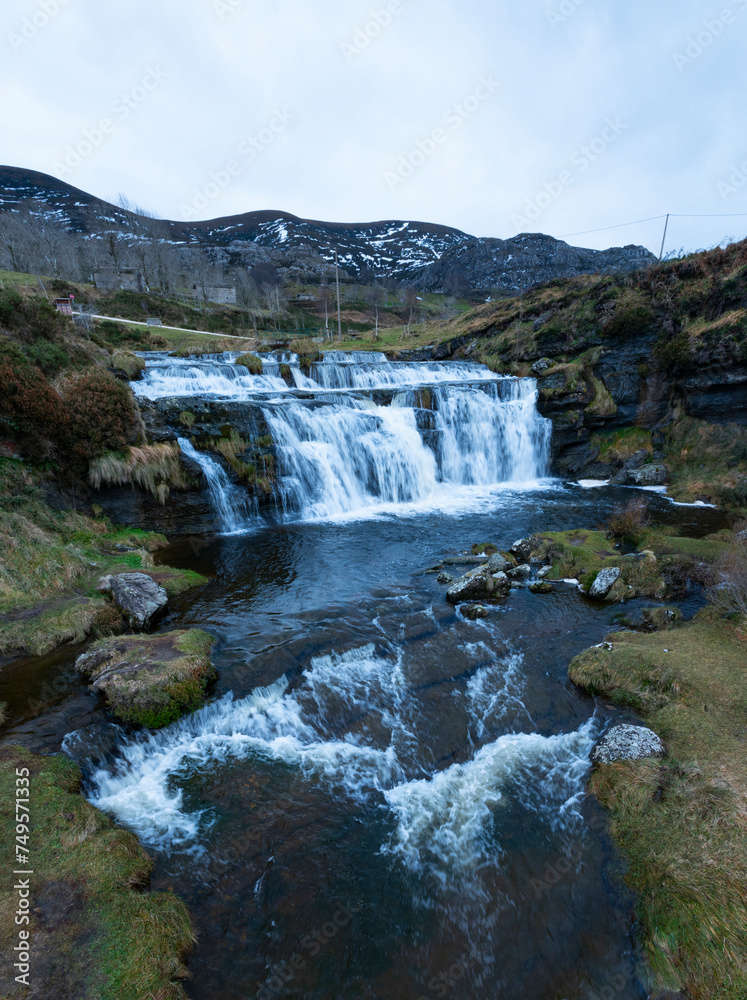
(493,116)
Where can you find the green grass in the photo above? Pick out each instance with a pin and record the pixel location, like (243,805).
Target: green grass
(99,935)
(680,823)
(51,563)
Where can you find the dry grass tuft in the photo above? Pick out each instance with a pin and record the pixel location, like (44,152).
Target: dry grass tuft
(155,468)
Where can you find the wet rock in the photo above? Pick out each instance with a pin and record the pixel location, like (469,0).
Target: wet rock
(545,571)
(522,549)
(479,583)
(151,680)
(649,475)
(541,587)
(604,582)
(498,563)
(474,611)
(627,743)
(520,573)
(445,578)
(465,560)
(139,597)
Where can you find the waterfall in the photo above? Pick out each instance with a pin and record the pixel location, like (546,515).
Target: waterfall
(231,504)
(361,432)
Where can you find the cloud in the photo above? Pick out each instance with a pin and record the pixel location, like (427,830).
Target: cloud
(564,67)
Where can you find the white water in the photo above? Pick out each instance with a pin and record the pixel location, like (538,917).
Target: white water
(442,820)
(231,504)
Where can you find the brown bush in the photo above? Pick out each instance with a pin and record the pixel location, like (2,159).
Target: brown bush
(102,416)
(729,592)
(30,409)
(628,523)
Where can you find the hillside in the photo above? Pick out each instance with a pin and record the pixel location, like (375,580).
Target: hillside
(432,257)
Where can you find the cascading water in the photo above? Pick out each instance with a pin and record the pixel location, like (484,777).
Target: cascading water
(231,504)
(361,431)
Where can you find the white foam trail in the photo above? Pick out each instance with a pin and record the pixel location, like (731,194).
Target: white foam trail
(496,690)
(142,788)
(444,822)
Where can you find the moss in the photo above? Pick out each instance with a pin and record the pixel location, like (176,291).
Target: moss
(129,363)
(251,362)
(152,680)
(94,872)
(679,824)
(485,549)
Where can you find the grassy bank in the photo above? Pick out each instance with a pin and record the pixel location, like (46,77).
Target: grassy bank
(51,564)
(95,933)
(681,823)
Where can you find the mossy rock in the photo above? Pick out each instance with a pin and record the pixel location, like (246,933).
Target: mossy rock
(151,681)
(130,364)
(251,362)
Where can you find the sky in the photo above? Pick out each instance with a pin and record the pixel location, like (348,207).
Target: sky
(492,116)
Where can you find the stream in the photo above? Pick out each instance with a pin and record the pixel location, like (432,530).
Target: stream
(381,800)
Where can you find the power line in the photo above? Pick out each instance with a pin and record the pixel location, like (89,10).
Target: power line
(656,218)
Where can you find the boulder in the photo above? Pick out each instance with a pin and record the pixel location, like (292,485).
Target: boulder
(139,597)
(445,578)
(541,587)
(479,583)
(465,560)
(474,611)
(520,573)
(543,365)
(604,582)
(151,680)
(648,475)
(627,743)
(498,563)
(522,549)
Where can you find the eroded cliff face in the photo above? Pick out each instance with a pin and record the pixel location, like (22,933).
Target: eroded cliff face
(655,352)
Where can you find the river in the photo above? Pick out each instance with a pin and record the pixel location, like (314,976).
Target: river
(382,799)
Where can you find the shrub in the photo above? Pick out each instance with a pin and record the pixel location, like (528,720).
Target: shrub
(729,594)
(103,416)
(630,323)
(629,523)
(30,409)
(252,362)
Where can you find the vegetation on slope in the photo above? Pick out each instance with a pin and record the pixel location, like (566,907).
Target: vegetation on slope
(680,822)
(96,933)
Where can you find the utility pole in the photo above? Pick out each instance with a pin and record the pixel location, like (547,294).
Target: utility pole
(666,227)
(339,312)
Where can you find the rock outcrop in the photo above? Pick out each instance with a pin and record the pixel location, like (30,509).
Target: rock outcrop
(151,681)
(137,595)
(479,584)
(622,743)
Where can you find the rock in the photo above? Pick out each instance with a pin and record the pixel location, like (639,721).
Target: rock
(151,680)
(498,563)
(139,597)
(541,366)
(649,475)
(465,560)
(627,743)
(522,549)
(637,460)
(661,619)
(104,585)
(541,587)
(478,583)
(545,571)
(445,578)
(520,573)
(474,611)
(620,591)
(604,582)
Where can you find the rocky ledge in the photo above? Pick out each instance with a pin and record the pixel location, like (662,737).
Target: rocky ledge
(151,681)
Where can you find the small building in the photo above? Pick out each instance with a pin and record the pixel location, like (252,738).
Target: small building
(64,306)
(152,321)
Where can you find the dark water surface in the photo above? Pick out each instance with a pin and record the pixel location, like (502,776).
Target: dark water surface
(382,800)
